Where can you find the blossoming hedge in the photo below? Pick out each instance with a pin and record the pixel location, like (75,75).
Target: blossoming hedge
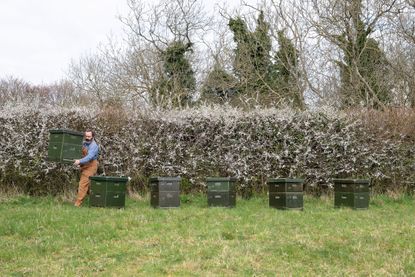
(200,142)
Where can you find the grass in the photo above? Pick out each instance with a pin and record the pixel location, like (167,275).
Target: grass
(47,236)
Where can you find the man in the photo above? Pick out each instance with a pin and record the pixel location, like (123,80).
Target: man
(88,165)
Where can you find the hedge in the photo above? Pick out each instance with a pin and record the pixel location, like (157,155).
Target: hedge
(207,141)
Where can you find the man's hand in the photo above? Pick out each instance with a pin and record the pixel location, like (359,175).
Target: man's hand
(76,162)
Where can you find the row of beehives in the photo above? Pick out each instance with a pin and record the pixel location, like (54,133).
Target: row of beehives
(66,145)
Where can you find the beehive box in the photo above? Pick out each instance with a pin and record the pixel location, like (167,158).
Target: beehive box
(353,193)
(285,193)
(286,200)
(165,192)
(351,185)
(107,191)
(285,185)
(354,200)
(221,191)
(65,145)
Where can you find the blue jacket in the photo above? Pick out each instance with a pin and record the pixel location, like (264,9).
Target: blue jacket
(93,151)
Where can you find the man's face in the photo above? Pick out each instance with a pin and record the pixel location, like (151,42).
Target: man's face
(88,137)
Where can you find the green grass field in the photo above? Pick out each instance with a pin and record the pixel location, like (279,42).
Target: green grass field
(47,236)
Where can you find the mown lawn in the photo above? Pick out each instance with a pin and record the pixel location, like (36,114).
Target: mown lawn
(46,236)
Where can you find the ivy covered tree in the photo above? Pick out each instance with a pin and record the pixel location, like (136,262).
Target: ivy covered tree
(219,86)
(286,72)
(262,47)
(364,76)
(266,79)
(243,68)
(252,56)
(364,69)
(177,83)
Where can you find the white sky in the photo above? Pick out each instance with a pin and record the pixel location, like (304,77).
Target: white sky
(39,38)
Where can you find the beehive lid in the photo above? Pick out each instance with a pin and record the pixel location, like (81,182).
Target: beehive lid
(351,181)
(221,179)
(164,179)
(109,178)
(66,131)
(284,180)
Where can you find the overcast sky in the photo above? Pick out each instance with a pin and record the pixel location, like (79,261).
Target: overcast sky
(40,37)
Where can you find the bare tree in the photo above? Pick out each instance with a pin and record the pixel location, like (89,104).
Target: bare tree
(401,44)
(166,21)
(406,21)
(89,76)
(17,91)
(131,71)
(14,90)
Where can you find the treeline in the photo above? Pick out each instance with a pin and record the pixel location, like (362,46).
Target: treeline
(174,54)
(357,53)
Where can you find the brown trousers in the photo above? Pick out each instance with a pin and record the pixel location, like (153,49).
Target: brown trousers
(87,170)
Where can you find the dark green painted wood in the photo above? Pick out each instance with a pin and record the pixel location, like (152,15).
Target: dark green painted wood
(71,152)
(221,184)
(222,199)
(165,199)
(164,179)
(110,178)
(351,185)
(221,179)
(165,192)
(98,186)
(116,186)
(351,181)
(58,138)
(64,145)
(108,183)
(357,200)
(286,200)
(165,184)
(66,131)
(344,187)
(108,199)
(73,139)
(285,180)
(97,199)
(285,185)
(54,151)
(115,199)
(108,191)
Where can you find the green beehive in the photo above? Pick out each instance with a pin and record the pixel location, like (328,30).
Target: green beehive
(354,200)
(285,185)
(221,191)
(351,185)
(165,192)
(64,145)
(286,200)
(286,193)
(352,193)
(107,191)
